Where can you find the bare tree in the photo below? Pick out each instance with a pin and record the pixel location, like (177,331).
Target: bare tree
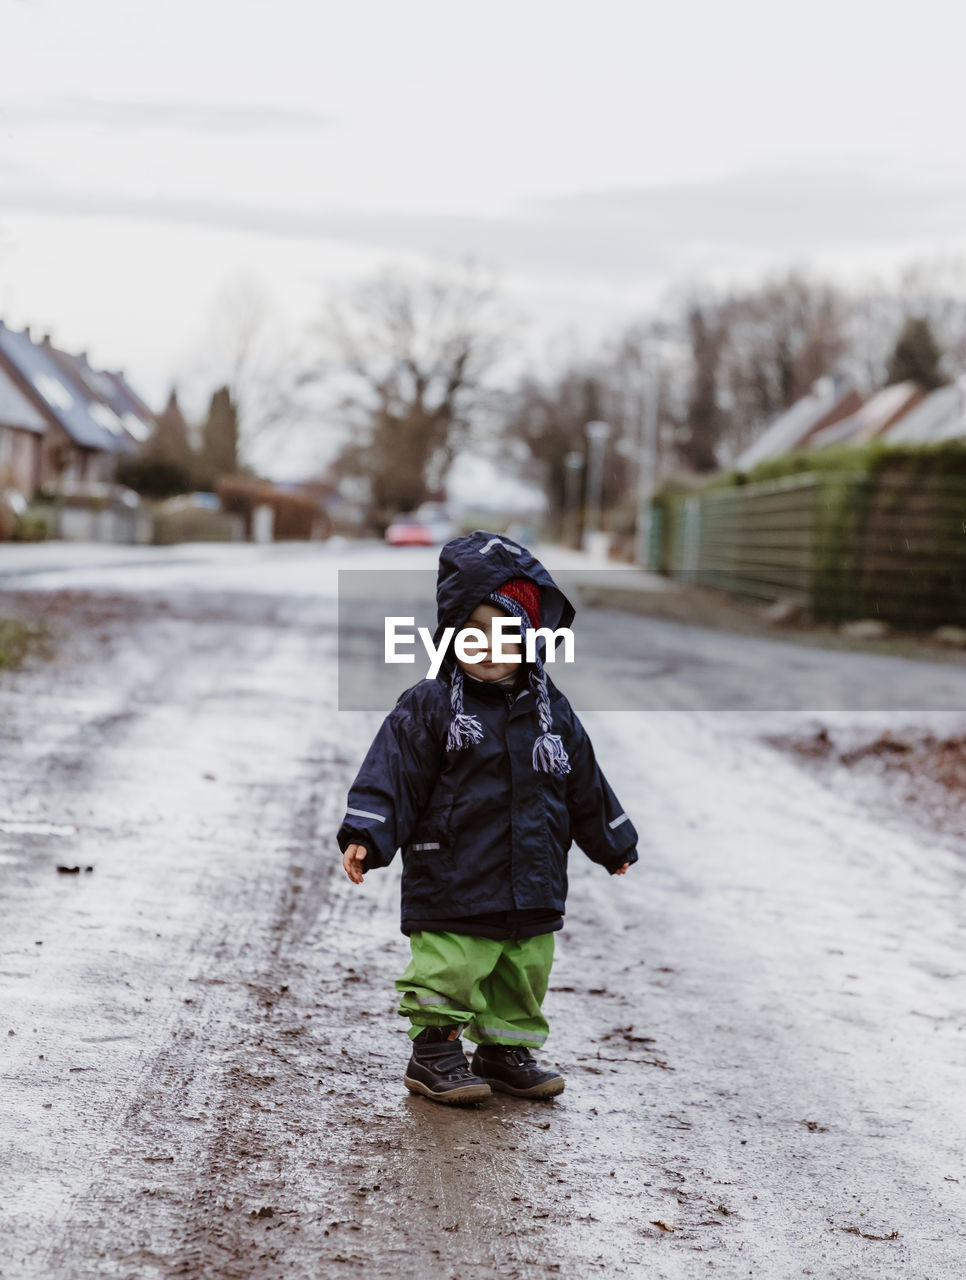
(545,421)
(705,420)
(547,417)
(754,351)
(782,336)
(412,356)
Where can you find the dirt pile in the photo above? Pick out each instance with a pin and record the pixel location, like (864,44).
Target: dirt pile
(920,772)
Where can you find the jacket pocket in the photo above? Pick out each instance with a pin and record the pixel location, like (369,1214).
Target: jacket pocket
(426,869)
(434,822)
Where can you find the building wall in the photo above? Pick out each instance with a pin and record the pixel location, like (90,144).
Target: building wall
(61,459)
(19,459)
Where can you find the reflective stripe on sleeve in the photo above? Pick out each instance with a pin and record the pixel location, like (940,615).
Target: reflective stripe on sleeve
(364,813)
(617,821)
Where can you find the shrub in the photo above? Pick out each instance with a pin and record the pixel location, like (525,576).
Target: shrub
(947,458)
(30,528)
(153,477)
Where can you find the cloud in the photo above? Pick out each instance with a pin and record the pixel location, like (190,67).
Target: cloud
(797,209)
(618,234)
(208,117)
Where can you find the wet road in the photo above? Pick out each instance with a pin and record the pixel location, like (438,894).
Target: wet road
(761,1025)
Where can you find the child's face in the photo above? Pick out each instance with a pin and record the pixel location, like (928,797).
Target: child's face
(482,618)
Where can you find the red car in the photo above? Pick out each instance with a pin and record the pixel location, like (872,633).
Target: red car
(407,532)
(430,526)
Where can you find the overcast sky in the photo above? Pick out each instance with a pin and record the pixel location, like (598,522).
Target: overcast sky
(595,152)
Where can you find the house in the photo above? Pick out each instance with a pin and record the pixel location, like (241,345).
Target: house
(828,402)
(873,420)
(110,390)
(83,435)
(22,429)
(941,416)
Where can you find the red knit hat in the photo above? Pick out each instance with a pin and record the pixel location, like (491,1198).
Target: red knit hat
(525,593)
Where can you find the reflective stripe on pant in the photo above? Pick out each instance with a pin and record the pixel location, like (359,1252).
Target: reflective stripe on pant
(492,987)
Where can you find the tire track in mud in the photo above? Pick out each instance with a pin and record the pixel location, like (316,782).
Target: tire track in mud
(93,1214)
(481,1192)
(305,1166)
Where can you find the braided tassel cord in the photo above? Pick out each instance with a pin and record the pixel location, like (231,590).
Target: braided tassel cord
(549,752)
(464,729)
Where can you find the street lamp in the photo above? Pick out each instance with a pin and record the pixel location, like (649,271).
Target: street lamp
(573,464)
(647,457)
(597,433)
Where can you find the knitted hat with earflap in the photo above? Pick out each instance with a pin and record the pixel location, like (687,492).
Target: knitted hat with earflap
(519,598)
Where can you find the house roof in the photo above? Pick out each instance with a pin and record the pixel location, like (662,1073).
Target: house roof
(825,404)
(103,389)
(98,390)
(88,423)
(873,419)
(126,401)
(16,410)
(941,416)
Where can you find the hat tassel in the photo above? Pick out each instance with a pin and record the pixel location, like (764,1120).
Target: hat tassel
(550,755)
(549,752)
(464,729)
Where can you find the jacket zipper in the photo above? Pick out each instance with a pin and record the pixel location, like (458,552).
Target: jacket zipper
(511,697)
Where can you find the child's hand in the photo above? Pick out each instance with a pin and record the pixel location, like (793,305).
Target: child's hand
(352,861)
(620,870)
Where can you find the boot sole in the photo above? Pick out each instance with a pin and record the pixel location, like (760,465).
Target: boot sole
(549,1089)
(455,1097)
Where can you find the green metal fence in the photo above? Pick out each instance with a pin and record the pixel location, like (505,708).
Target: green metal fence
(844,544)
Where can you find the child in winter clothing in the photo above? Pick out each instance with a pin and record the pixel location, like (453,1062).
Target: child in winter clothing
(483,777)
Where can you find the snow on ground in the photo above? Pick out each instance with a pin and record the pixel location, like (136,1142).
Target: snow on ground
(298,568)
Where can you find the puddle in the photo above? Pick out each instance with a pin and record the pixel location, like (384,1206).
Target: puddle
(14,827)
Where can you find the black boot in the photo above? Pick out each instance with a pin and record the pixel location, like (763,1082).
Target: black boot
(439,1070)
(510,1068)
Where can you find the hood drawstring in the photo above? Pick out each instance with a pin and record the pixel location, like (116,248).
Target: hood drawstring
(464,729)
(549,752)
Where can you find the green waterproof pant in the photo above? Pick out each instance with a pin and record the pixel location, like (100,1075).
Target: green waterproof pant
(493,988)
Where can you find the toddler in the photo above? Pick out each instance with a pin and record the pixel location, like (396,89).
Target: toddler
(483,777)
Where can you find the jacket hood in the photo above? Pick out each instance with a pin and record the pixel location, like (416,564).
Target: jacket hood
(472,566)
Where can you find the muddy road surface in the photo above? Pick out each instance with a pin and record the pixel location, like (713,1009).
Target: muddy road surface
(762,1025)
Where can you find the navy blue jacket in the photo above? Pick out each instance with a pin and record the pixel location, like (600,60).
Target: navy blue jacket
(480,830)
